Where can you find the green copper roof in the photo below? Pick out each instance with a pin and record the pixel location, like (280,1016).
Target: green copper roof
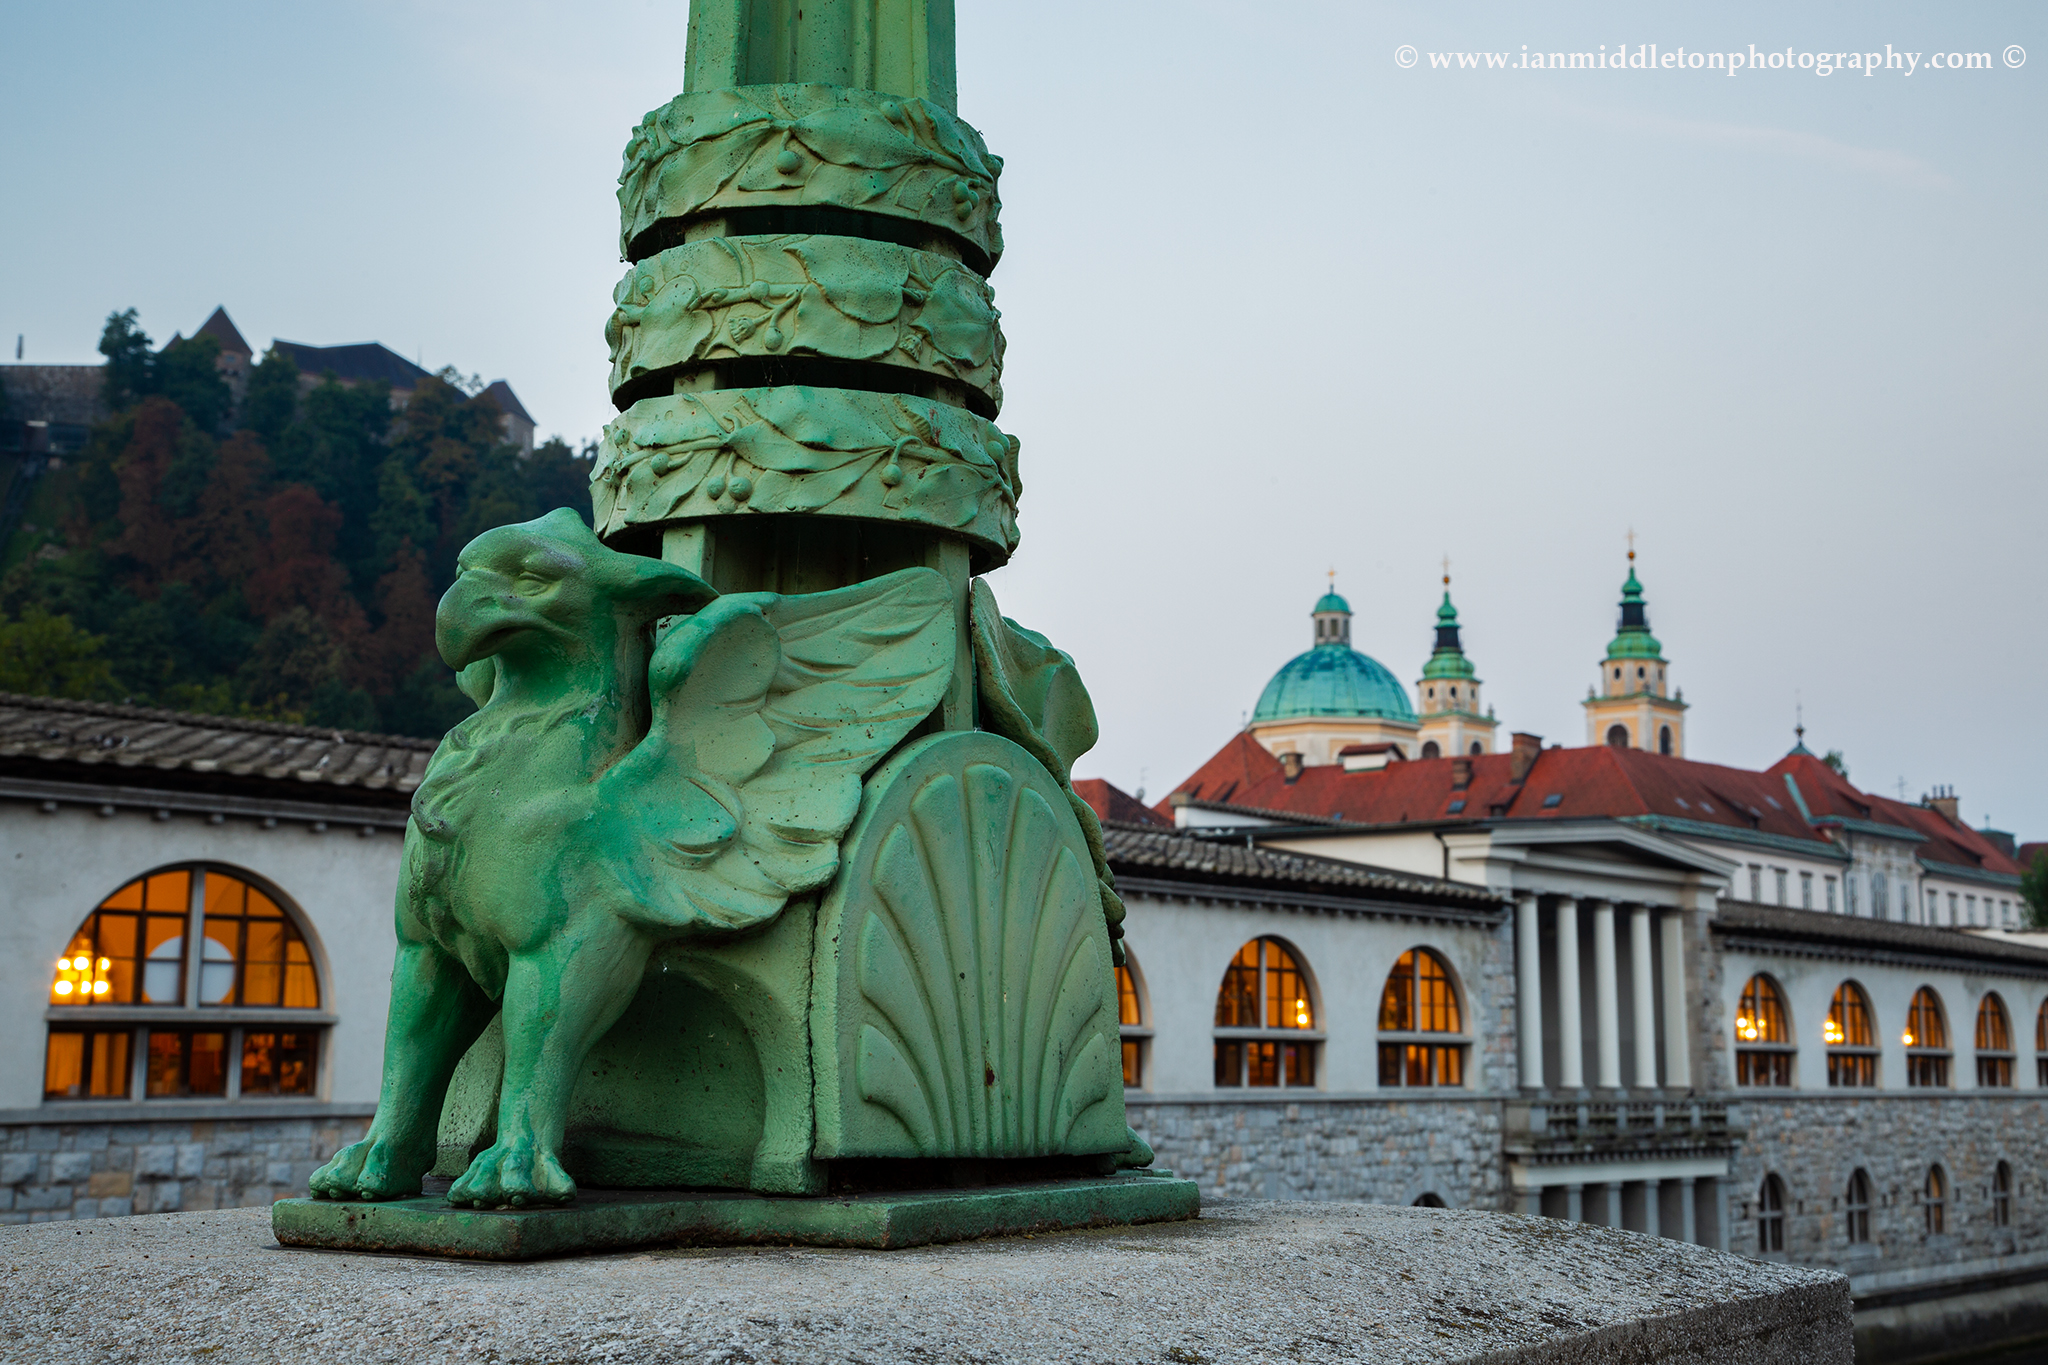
(1449,660)
(1632,639)
(1333,680)
(1329,601)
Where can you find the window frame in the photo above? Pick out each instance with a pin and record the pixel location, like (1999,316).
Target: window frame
(1994,1063)
(187,1018)
(1855,1209)
(1436,1045)
(1770,1215)
(1851,1065)
(1927,1067)
(1778,1057)
(1292,1048)
(1136,1038)
(1934,1200)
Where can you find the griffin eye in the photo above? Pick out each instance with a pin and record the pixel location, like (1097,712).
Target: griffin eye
(532,585)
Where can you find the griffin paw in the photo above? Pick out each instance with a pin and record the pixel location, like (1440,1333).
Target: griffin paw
(369,1169)
(515,1174)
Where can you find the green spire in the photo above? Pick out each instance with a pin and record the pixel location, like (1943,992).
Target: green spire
(1632,638)
(1448,661)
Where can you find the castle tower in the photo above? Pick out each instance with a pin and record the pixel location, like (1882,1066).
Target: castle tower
(1452,722)
(1634,706)
(1334,698)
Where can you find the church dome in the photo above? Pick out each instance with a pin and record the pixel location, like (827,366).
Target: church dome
(1333,679)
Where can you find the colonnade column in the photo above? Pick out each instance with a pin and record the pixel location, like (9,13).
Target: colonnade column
(1606,997)
(1677,1048)
(1571,1050)
(1529,988)
(1644,996)
(1653,1215)
(1575,1203)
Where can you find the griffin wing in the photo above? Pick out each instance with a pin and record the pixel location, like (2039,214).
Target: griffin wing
(767,713)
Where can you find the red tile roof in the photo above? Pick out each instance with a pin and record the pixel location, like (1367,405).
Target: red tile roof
(1111,802)
(1599,781)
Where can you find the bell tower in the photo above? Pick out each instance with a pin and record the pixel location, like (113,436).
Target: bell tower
(1452,723)
(1634,706)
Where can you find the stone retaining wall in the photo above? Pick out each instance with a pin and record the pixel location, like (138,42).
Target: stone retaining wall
(50,1172)
(1378,1151)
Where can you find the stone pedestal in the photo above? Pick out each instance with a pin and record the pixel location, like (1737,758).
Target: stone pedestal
(1245,1282)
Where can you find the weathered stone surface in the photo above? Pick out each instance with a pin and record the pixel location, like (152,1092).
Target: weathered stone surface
(1247,1282)
(111,1170)
(1377,1150)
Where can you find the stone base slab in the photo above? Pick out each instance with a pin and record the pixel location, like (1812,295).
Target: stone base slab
(614,1220)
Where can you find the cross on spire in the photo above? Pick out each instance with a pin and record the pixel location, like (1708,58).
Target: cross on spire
(1447,571)
(1631,544)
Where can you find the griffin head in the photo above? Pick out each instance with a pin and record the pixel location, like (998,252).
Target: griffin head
(549,590)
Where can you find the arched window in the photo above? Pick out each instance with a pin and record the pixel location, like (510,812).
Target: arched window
(1262,1013)
(149,1009)
(1617,735)
(1664,740)
(2001,1196)
(1417,1009)
(1770,1216)
(1856,1205)
(1763,1039)
(1926,1040)
(1429,1199)
(1994,1043)
(1477,747)
(1130,1011)
(1851,1039)
(1934,1201)
(1430,749)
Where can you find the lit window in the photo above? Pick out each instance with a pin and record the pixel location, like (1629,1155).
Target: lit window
(1130,1011)
(2041,1046)
(2001,1196)
(1994,1043)
(1857,1206)
(1934,1201)
(1851,1039)
(132,961)
(1417,1009)
(1763,1041)
(1926,1040)
(1770,1216)
(1261,1010)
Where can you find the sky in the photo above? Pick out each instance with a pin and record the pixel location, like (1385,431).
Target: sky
(1277,304)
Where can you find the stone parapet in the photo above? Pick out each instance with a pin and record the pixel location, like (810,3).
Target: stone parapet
(1245,1282)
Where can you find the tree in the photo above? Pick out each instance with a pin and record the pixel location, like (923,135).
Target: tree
(272,398)
(48,656)
(128,375)
(2034,890)
(188,373)
(1835,760)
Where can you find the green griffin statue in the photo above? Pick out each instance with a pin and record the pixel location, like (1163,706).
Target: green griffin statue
(760,859)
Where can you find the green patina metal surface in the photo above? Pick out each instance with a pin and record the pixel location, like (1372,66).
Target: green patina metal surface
(618,1220)
(1333,679)
(1448,659)
(761,852)
(1632,638)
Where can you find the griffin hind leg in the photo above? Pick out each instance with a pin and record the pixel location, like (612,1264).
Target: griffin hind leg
(559,1000)
(437,1011)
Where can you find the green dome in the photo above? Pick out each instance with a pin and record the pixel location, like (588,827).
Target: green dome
(1333,680)
(1449,660)
(1329,601)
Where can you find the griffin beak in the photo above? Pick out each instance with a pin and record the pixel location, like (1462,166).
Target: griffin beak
(478,616)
